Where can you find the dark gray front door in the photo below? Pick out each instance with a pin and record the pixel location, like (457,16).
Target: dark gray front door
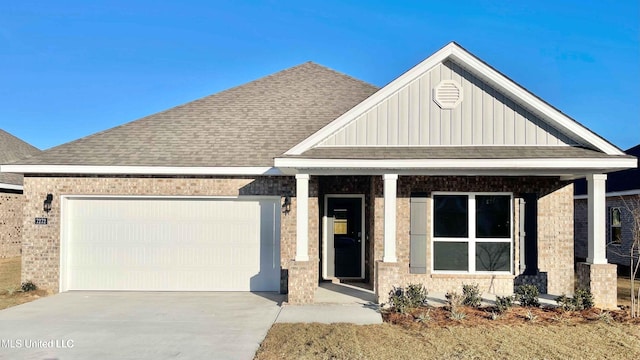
(347,238)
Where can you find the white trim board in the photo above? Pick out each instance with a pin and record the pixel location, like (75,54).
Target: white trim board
(11,187)
(568,163)
(471,63)
(138,170)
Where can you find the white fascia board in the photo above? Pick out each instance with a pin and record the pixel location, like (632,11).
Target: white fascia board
(10,186)
(479,68)
(372,100)
(138,170)
(579,163)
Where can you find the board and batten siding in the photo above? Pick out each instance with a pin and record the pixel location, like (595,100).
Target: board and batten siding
(410,117)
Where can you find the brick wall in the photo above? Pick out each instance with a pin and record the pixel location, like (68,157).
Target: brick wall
(11,205)
(601,280)
(555,230)
(41,243)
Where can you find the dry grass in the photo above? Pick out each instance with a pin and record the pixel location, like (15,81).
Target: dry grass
(624,290)
(10,294)
(596,340)
(552,334)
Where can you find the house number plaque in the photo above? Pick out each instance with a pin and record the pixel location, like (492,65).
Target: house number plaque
(41,221)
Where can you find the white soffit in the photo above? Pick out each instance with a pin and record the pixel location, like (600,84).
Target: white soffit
(482,70)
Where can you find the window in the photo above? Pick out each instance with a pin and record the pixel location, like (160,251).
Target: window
(472,232)
(615,225)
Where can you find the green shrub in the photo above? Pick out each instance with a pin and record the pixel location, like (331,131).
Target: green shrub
(471,295)
(581,301)
(527,295)
(28,286)
(565,302)
(402,300)
(503,303)
(417,294)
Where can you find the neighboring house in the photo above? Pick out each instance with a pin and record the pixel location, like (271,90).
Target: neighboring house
(11,198)
(622,202)
(450,174)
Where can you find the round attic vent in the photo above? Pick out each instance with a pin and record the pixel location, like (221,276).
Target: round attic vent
(448,94)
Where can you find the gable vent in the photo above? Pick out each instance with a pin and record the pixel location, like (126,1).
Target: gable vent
(448,94)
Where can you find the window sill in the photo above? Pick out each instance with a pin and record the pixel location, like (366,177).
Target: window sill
(471,276)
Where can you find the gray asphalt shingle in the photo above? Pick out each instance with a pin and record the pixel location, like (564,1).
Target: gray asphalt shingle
(247,125)
(12,149)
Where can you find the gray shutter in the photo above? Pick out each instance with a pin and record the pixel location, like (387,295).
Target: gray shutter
(418,253)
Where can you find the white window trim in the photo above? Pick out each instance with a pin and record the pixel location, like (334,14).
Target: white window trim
(611,226)
(471,239)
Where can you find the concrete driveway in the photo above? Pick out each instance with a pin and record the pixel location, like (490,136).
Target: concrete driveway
(132,325)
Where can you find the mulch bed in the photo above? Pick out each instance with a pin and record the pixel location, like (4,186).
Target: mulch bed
(488,316)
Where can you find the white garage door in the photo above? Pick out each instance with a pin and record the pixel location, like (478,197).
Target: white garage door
(171,244)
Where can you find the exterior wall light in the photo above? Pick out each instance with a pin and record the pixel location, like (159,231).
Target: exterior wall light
(47,203)
(286,205)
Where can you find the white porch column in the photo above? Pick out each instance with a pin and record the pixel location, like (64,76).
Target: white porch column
(597,219)
(302,217)
(390,193)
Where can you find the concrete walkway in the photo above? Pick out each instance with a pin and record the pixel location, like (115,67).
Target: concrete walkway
(335,303)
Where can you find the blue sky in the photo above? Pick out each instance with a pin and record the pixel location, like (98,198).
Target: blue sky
(69,69)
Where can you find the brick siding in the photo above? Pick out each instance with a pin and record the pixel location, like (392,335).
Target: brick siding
(11,219)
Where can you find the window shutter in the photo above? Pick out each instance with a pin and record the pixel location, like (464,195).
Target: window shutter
(418,253)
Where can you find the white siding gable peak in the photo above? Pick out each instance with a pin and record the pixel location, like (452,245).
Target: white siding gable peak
(557,128)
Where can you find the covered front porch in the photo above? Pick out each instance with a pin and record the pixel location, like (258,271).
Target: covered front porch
(391,235)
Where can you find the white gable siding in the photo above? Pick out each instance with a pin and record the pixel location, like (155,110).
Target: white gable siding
(410,117)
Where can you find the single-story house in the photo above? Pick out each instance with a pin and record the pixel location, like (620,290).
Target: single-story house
(450,174)
(11,199)
(621,216)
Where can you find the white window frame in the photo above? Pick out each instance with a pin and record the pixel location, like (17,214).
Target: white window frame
(471,238)
(611,226)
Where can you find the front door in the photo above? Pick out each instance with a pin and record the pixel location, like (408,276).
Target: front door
(346,216)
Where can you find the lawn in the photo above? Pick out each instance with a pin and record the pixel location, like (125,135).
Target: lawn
(597,340)
(517,334)
(10,293)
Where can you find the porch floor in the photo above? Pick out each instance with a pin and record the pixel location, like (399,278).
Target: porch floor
(350,293)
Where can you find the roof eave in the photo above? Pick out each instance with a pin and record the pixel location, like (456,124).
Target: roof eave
(140,170)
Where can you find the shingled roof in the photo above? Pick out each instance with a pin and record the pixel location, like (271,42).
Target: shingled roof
(12,149)
(247,125)
(624,180)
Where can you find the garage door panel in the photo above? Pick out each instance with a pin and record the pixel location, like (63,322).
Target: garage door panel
(172,244)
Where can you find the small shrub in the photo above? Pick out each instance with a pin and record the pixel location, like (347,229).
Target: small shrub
(566,303)
(424,316)
(471,295)
(495,316)
(457,315)
(529,316)
(527,295)
(606,317)
(417,295)
(583,299)
(503,303)
(403,300)
(28,286)
(11,290)
(454,300)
